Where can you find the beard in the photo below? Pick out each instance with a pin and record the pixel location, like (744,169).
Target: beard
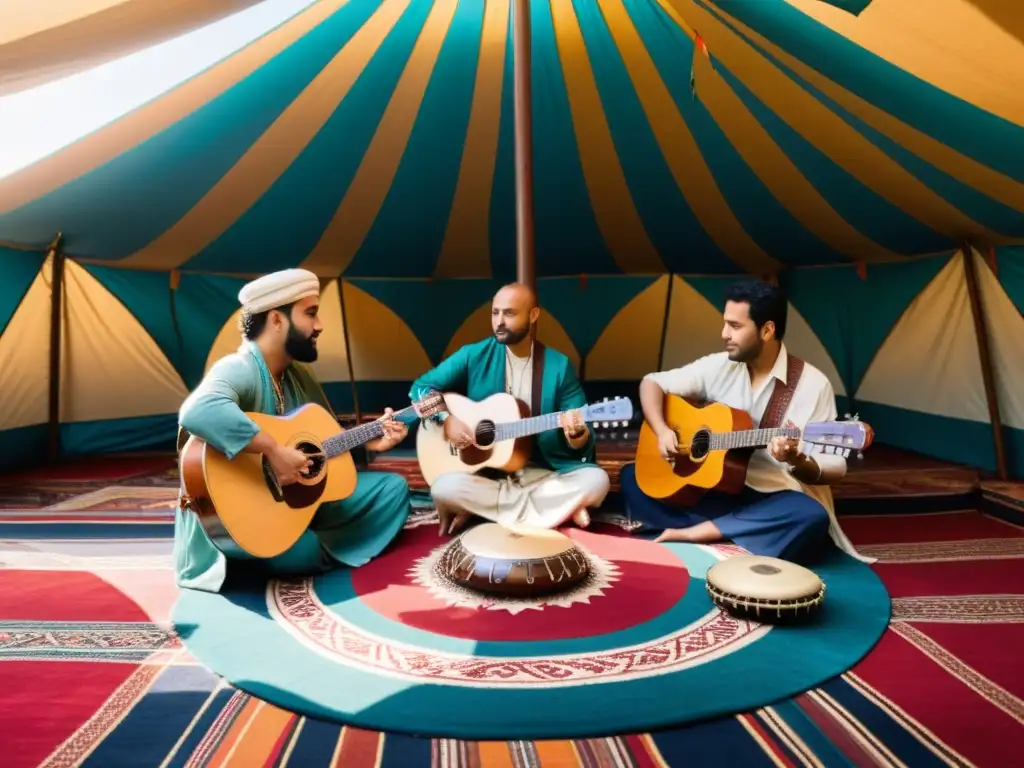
(299,347)
(509,337)
(747,353)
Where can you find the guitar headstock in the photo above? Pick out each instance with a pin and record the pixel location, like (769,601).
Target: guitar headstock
(614,410)
(429,405)
(841,436)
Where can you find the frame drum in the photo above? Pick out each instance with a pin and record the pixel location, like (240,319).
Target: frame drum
(514,562)
(764,589)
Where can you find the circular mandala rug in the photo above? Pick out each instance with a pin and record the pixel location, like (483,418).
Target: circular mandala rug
(639,645)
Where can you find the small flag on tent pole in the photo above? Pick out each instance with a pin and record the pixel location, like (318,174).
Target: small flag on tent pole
(699,46)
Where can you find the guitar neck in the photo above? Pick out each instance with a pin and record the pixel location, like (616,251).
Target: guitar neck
(749,438)
(513,430)
(357,436)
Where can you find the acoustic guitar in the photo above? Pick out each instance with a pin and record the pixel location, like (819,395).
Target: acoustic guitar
(502,433)
(715,446)
(240,503)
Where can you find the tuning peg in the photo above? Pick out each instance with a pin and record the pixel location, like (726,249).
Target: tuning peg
(860,455)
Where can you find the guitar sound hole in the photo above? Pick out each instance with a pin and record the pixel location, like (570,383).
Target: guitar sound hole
(317,457)
(485,434)
(316,466)
(700,445)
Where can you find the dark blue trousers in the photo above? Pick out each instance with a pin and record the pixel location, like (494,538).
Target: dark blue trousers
(787,524)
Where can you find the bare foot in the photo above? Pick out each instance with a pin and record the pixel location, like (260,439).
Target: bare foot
(701,533)
(581,517)
(674,534)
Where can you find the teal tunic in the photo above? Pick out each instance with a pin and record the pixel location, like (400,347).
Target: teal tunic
(349,532)
(477,371)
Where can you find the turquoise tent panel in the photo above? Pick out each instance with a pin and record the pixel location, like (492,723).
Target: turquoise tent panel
(1013,443)
(1010,264)
(757,210)
(22,447)
(585,306)
(117,208)
(713,288)
(202,304)
(414,216)
(502,211)
(851,6)
(147,295)
(853,316)
(433,309)
(143,433)
(981,135)
(304,195)
(957,440)
(666,216)
(20,269)
(375,396)
(865,210)
(568,238)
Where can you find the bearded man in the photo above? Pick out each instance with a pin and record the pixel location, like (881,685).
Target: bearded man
(270,374)
(562,479)
(785,509)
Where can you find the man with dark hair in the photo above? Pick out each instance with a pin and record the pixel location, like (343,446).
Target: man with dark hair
(270,374)
(785,510)
(562,478)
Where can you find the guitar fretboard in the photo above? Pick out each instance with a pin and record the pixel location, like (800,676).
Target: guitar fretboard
(357,436)
(512,430)
(749,438)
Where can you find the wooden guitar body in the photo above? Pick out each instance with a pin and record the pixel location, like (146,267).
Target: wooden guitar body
(238,501)
(695,470)
(437,456)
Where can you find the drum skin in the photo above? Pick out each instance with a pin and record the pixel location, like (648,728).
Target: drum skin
(518,562)
(765,589)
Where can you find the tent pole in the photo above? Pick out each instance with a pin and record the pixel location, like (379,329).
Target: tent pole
(981,333)
(664,321)
(348,352)
(56,317)
(526,268)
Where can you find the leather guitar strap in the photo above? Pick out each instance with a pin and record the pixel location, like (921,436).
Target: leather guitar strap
(538,378)
(782,395)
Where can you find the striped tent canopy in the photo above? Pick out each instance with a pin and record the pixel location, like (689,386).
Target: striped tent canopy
(45,41)
(868,154)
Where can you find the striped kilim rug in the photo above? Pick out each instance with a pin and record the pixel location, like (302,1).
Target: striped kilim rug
(91,674)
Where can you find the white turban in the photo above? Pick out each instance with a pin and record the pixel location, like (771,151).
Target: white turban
(278,289)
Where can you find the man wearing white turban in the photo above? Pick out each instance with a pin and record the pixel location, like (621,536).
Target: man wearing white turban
(270,374)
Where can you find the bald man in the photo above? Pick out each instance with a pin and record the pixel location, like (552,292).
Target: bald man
(562,479)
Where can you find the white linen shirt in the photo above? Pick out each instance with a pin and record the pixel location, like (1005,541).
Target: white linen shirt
(716,378)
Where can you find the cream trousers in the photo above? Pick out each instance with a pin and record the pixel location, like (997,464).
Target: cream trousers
(535,497)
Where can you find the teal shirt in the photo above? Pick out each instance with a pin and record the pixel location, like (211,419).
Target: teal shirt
(350,531)
(477,371)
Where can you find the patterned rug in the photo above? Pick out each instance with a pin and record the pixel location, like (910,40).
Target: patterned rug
(85,616)
(151,482)
(396,645)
